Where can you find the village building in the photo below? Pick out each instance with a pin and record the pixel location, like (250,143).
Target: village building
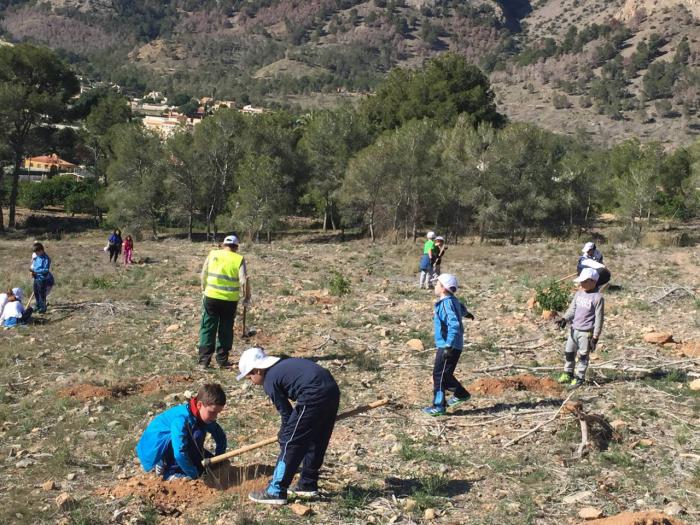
(36,169)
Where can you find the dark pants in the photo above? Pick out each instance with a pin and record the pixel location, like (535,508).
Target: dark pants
(216,330)
(195,451)
(40,287)
(305,438)
(114,252)
(444,376)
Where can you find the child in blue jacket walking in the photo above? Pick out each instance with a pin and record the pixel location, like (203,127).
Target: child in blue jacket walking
(173,443)
(449,340)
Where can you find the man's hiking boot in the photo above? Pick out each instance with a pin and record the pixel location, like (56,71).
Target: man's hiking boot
(577,381)
(303,492)
(434,411)
(454,400)
(565,378)
(264,497)
(227,365)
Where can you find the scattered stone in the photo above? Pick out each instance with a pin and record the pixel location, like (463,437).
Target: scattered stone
(409,504)
(674,509)
(430,514)
(531,303)
(300,510)
(113,423)
(415,344)
(89,434)
(694,385)
(690,349)
(396,448)
(548,315)
(590,513)
(618,424)
(172,328)
(658,338)
(71,476)
(24,463)
(578,497)
(65,501)
(48,485)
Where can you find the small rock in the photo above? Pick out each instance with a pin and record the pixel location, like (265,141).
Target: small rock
(577,497)
(590,513)
(48,485)
(71,476)
(674,509)
(658,338)
(113,423)
(531,303)
(300,510)
(396,448)
(618,424)
(429,514)
(694,385)
(409,504)
(65,501)
(415,344)
(89,434)
(24,463)
(548,315)
(172,328)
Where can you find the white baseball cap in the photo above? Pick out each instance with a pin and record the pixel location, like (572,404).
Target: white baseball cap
(431,235)
(440,238)
(448,281)
(587,273)
(232,239)
(18,293)
(588,247)
(253,358)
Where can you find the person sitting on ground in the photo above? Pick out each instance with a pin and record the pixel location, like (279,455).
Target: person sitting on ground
(3,299)
(306,429)
(173,442)
(592,258)
(14,313)
(114,245)
(426,262)
(449,340)
(586,314)
(43,278)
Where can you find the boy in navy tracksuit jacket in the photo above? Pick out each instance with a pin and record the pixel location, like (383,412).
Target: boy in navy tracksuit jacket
(43,279)
(173,443)
(306,429)
(449,340)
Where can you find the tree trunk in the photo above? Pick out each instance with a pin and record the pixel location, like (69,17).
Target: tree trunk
(15,189)
(269,238)
(189,226)
(325,218)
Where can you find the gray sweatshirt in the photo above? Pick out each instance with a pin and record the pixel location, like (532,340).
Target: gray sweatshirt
(586,312)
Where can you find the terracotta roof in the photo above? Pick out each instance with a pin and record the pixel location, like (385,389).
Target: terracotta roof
(52,159)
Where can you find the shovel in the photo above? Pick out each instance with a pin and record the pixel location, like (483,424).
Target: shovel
(237,452)
(246,333)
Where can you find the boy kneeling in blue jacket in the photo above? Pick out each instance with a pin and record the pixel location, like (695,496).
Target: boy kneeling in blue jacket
(173,443)
(306,429)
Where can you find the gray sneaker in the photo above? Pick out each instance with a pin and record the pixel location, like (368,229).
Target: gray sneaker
(264,497)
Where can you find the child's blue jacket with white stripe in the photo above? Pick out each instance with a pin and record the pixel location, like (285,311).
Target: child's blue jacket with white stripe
(176,426)
(447,321)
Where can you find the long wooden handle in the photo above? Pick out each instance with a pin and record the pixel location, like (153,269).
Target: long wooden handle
(269,441)
(566,277)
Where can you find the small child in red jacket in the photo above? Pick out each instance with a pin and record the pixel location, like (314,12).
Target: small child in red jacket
(128,250)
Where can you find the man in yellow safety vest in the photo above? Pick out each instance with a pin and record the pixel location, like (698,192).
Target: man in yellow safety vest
(223,275)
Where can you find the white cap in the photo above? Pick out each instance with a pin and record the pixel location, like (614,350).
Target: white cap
(18,293)
(588,247)
(440,238)
(431,235)
(254,358)
(587,273)
(232,239)
(448,281)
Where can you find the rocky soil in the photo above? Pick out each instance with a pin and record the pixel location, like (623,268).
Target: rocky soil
(118,346)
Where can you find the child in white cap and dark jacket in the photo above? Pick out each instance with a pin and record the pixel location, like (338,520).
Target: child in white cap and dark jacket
(586,314)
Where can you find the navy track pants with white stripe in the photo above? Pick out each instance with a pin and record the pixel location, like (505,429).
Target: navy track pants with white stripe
(444,376)
(305,438)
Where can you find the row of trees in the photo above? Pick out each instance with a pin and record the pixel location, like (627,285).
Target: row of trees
(429,148)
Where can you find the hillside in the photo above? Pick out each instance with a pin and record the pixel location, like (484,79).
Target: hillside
(611,69)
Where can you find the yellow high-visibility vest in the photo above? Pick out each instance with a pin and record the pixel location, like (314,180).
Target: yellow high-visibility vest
(222,275)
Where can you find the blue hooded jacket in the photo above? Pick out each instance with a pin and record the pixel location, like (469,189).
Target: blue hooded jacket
(175,426)
(41,266)
(447,322)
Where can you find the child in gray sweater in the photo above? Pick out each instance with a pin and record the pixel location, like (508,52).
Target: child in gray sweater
(586,313)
